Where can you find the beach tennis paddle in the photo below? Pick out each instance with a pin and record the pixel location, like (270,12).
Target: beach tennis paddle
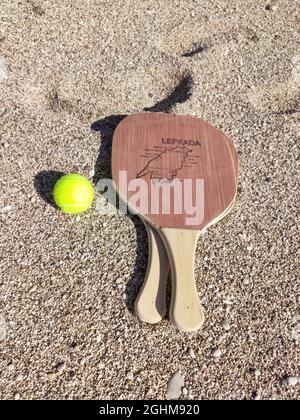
(151,304)
(185,174)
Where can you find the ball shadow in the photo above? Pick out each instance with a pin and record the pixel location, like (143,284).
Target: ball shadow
(44,183)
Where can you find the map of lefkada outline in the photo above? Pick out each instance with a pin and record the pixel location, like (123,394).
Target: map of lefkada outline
(166,164)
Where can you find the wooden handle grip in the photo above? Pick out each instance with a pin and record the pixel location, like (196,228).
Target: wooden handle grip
(150,305)
(186,311)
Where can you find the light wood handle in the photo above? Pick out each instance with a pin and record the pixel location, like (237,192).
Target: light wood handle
(186,311)
(150,305)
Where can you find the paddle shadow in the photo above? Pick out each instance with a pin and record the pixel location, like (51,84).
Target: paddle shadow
(106,128)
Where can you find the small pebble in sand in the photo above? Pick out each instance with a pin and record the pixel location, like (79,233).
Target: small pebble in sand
(82,361)
(175,385)
(19,377)
(72,374)
(4,209)
(217,354)
(17,396)
(10,367)
(51,376)
(292,381)
(227,310)
(184,391)
(101,365)
(226,325)
(221,339)
(74,347)
(130,376)
(60,367)
(149,392)
(191,353)
(3,72)
(91,173)
(77,219)
(271,7)
(256,396)
(257,373)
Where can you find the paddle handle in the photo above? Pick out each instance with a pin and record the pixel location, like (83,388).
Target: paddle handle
(186,311)
(150,305)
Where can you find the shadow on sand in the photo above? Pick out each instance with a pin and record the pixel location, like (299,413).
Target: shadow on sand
(44,183)
(106,128)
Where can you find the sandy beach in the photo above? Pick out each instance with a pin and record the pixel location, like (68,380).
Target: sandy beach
(69,71)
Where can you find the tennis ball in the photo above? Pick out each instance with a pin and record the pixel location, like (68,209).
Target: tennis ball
(73,193)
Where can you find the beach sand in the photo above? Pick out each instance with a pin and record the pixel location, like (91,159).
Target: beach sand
(69,70)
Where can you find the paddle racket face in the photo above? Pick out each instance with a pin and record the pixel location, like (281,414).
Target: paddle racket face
(175,171)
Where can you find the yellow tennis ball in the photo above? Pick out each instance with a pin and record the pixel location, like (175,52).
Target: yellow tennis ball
(73,193)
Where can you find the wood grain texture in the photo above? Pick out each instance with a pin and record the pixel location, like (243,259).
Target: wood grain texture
(153,146)
(186,311)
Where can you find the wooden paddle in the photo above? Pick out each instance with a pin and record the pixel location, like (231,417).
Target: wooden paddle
(158,149)
(150,305)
